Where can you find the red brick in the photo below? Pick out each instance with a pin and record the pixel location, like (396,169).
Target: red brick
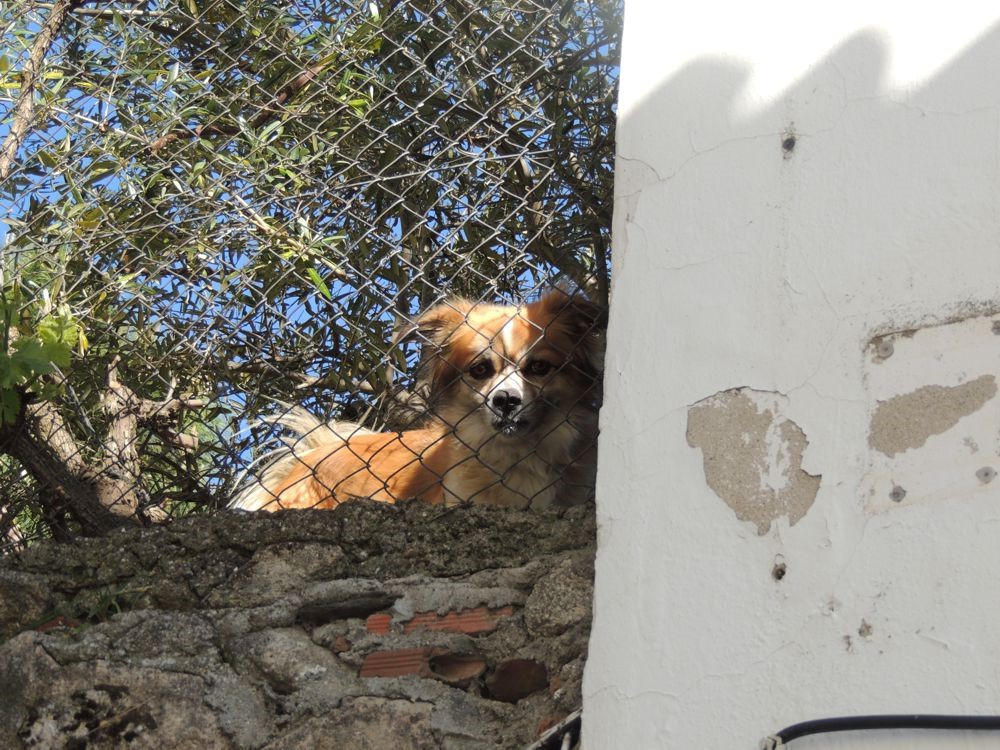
(58,623)
(457,669)
(517,678)
(378,623)
(469,621)
(437,663)
(548,721)
(397,663)
(341,644)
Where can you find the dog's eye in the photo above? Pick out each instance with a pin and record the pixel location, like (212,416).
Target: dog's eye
(481,370)
(539,368)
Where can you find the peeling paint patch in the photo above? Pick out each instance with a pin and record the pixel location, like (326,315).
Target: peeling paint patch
(933,414)
(753,456)
(907,421)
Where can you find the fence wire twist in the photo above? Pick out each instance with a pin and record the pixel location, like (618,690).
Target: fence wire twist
(215,208)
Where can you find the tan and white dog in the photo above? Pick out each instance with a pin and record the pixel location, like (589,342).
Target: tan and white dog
(515,393)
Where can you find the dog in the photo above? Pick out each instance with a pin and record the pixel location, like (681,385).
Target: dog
(515,393)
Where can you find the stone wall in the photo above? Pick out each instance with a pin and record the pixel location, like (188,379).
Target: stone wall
(370,626)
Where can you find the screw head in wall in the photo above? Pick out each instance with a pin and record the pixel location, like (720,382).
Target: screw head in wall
(780,568)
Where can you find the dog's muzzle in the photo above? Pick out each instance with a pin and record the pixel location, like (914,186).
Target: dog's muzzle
(507,409)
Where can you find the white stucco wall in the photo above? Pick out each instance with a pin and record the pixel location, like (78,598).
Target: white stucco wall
(801,332)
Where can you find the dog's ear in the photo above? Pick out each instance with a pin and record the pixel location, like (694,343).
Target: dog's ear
(571,312)
(574,310)
(436,324)
(433,329)
(581,320)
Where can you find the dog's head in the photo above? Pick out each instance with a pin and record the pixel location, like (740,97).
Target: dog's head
(510,372)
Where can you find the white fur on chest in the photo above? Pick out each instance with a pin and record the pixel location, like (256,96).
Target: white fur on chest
(512,474)
(530,483)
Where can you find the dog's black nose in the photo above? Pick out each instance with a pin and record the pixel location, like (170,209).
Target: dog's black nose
(506,402)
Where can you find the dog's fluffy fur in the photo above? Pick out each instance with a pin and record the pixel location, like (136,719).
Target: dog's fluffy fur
(515,392)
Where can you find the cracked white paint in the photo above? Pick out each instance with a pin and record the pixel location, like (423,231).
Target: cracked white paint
(934,433)
(741,263)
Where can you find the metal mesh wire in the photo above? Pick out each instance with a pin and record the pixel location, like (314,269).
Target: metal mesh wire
(215,210)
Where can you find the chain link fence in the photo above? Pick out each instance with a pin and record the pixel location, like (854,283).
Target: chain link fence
(216,210)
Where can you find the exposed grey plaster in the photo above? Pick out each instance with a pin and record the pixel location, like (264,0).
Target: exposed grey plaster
(753,456)
(907,421)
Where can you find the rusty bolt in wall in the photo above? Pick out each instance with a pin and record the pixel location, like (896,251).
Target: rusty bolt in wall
(779,569)
(883,350)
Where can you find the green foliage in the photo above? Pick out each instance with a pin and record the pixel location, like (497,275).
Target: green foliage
(102,603)
(243,201)
(32,345)
(92,606)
